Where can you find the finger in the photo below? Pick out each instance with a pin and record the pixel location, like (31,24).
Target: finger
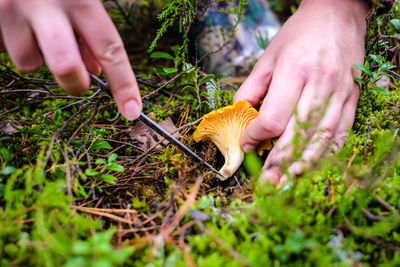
(271,175)
(255,87)
(19,41)
(334,126)
(277,108)
(348,114)
(279,155)
(88,58)
(310,108)
(282,181)
(320,141)
(94,25)
(2,48)
(60,49)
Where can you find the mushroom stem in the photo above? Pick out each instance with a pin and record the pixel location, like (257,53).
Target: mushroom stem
(234,156)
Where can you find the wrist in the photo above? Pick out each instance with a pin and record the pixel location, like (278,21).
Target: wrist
(344,12)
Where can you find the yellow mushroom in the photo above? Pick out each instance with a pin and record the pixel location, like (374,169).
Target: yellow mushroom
(224,127)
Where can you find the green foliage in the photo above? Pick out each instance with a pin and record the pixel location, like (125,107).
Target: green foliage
(97,251)
(182,12)
(344,212)
(103,166)
(39,227)
(262,41)
(253,164)
(371,77)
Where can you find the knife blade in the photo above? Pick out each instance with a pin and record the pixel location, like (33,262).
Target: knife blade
(158,129)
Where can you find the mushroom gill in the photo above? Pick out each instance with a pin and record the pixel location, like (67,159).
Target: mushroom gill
(224,127)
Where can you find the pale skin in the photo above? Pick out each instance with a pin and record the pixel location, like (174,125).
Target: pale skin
(307,67)
(306,74)
(74,37)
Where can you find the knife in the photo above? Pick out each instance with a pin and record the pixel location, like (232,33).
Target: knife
(158,129)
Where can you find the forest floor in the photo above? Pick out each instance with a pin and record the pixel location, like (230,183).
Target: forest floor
(82,186)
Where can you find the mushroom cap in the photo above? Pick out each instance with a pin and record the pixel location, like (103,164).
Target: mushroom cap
(224,127)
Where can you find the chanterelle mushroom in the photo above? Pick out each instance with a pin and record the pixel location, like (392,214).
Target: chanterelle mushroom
(224,127)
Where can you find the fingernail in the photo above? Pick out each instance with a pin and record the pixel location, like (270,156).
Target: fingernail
(282,181)
(247,148)
(131,110)
(296,168)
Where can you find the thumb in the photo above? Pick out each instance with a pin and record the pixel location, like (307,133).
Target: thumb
(260,129)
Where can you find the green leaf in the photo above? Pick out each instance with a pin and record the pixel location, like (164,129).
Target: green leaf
(191,75)
(188,88)
(101,144)
(80,247)
(160,54)
(115,167)
(206,78)
(101,161)
(380,90)
(112,157)
(181,86)
(378,59)
(387,66)
(164,70)
(359,80)
(395,23)
(91,172)
(176,49)
(8,170)
(388,75)
(363,69)
(253,164)
(6,154)
(58,116)
(108,178)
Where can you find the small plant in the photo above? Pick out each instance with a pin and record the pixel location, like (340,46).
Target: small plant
(371,77)
(103,166)
(262,41)
(176,58)
(192,80)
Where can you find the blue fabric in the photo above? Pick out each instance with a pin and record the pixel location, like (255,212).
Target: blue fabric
(243,50)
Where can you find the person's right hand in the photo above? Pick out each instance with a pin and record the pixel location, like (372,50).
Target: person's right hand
(305,79)
(74,37)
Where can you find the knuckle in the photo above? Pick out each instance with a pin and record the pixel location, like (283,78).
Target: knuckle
(325,71)
(5,5)
(325,135)
(340,139)
(272,125)
(112,53)
(330,73)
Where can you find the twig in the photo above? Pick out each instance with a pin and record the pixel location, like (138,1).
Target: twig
(394,37)
(166,83)
(67,172)
(372,216)
(103,214)
(166,230)
(81,126)
(57,133)
(186,255)
(387,206)
(119,211)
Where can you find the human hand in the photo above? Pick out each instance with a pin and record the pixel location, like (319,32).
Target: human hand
(307,68)
(74,37)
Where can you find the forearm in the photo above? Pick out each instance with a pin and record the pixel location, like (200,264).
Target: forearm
(338,17)
(351,11)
